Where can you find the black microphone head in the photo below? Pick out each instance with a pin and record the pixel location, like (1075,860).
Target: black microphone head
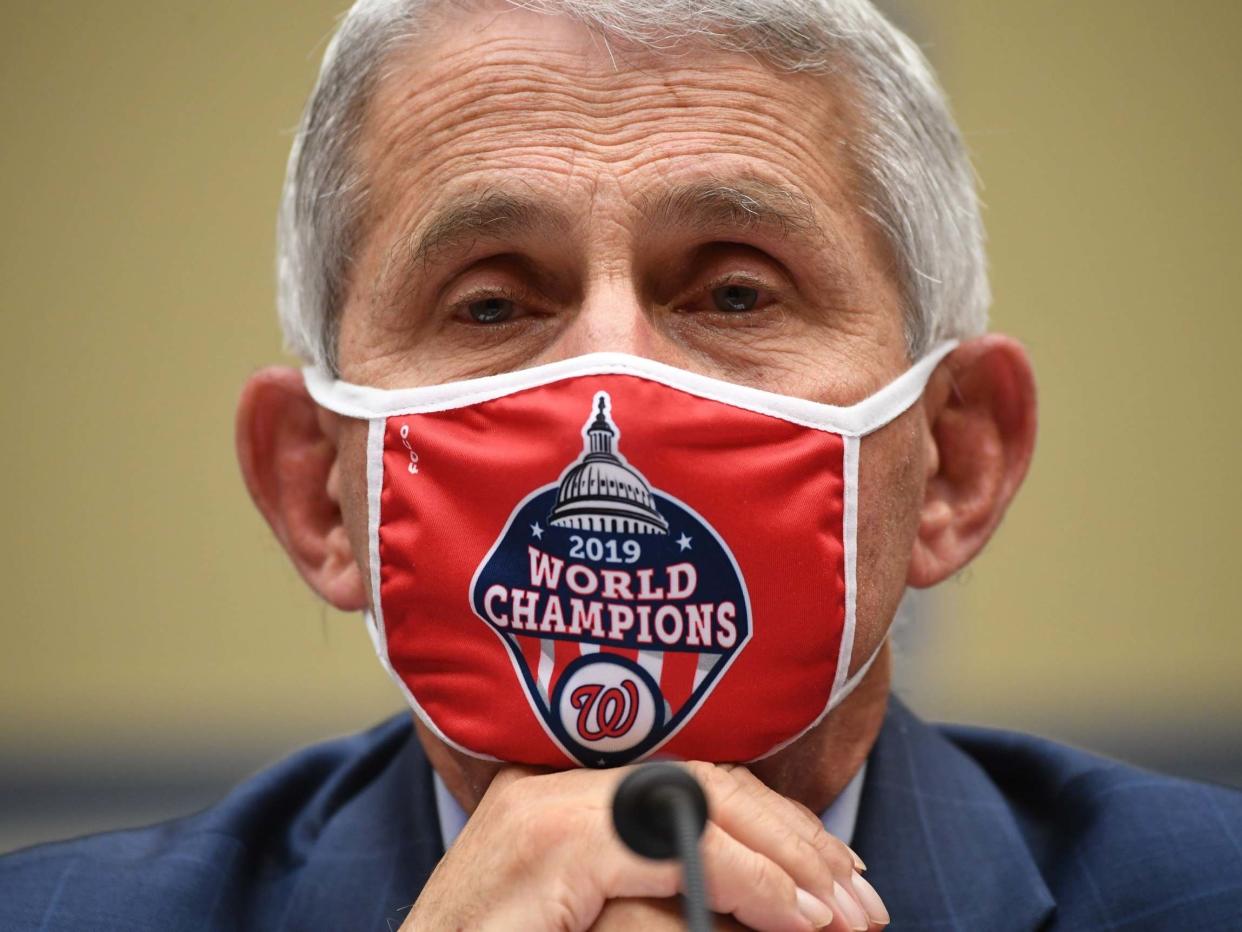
(642,809)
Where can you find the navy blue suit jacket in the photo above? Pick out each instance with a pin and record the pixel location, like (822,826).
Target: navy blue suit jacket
(960,828)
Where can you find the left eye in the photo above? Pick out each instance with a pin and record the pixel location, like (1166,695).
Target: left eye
(491,310)
(734,299)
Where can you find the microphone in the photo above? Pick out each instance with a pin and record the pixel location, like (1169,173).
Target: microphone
(659,811)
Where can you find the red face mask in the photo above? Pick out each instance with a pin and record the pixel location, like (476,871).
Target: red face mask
(605,558)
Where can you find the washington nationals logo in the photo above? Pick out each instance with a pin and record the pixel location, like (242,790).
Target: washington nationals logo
(620,605)
(605,713)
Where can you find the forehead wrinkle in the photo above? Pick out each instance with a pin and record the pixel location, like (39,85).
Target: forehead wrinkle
(482,85)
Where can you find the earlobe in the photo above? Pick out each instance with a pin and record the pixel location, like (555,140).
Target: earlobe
(981,418)
(289,463)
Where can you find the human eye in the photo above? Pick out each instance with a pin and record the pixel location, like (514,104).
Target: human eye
(735,299)
(490,308)
(734,295)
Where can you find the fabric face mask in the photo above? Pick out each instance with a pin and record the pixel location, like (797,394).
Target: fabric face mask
(605,558)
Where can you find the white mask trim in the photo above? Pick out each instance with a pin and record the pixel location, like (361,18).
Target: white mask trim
(870,414)
(849,529)
(375,619)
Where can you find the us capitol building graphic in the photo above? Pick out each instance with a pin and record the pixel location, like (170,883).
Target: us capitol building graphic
(603,493)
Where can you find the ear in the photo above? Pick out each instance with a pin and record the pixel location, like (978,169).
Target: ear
(288,457)
(981,414)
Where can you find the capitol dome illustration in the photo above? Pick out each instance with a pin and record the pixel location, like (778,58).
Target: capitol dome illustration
(603,493)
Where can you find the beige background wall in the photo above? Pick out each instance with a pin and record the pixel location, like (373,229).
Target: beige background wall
(151,631)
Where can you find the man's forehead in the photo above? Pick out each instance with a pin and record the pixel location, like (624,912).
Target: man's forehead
(497,157)
(705,204)
(542,100)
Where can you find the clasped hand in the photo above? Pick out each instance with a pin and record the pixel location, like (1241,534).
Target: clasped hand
(540,853)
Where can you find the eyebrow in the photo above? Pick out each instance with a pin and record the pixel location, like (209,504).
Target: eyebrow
(712,205)
(705,206)
(490,215)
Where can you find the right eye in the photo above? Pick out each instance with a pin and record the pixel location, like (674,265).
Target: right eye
(493,310)
(735,299)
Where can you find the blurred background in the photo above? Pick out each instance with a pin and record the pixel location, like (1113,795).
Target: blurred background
(155,645)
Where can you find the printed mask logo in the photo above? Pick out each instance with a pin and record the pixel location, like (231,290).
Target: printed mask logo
(620,606)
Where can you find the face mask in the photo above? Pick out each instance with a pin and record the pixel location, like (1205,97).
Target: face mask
(606,558)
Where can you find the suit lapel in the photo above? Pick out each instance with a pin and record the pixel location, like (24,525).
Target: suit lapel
(376,840)
(940,842)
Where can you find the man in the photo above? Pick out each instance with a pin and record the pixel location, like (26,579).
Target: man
(763,208)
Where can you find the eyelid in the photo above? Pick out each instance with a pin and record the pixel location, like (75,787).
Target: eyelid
(766,290)
(509,275)
(738,278)
(520,298)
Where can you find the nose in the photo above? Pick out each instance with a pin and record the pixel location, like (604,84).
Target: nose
(612,319)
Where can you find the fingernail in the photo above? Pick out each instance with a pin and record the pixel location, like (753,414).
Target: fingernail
(814,909)
(849,907)
(858,862)
(871,901)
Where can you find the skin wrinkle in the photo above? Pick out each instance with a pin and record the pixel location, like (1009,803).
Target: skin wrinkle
(485,85)
(830,87)
(645,127)
(492,213)
(441,162)
(467,91)
(747,203)
(702,208)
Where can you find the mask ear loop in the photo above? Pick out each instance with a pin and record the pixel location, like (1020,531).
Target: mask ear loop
(375,486)
(842,684)
(885,406)
(882,408)
(895,398)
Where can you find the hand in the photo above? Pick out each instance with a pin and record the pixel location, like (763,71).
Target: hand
(540,853)
(653,916)
(666,916)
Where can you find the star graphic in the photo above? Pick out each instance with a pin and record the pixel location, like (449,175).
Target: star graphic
(683,542)
(537,531)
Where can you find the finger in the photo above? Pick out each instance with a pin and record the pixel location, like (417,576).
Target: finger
(871,902)
(839,850)
(749,885)
(754,888)
(859,864)
(740,882)
(779,827)
(849,916)
(653,916)
(764,821)
(650,915)
(849,909)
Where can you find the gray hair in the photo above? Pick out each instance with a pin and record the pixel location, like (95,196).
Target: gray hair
(917,182)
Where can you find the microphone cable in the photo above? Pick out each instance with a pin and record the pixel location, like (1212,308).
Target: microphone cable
(659,811)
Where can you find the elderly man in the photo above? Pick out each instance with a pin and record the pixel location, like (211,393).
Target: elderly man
(647,370)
